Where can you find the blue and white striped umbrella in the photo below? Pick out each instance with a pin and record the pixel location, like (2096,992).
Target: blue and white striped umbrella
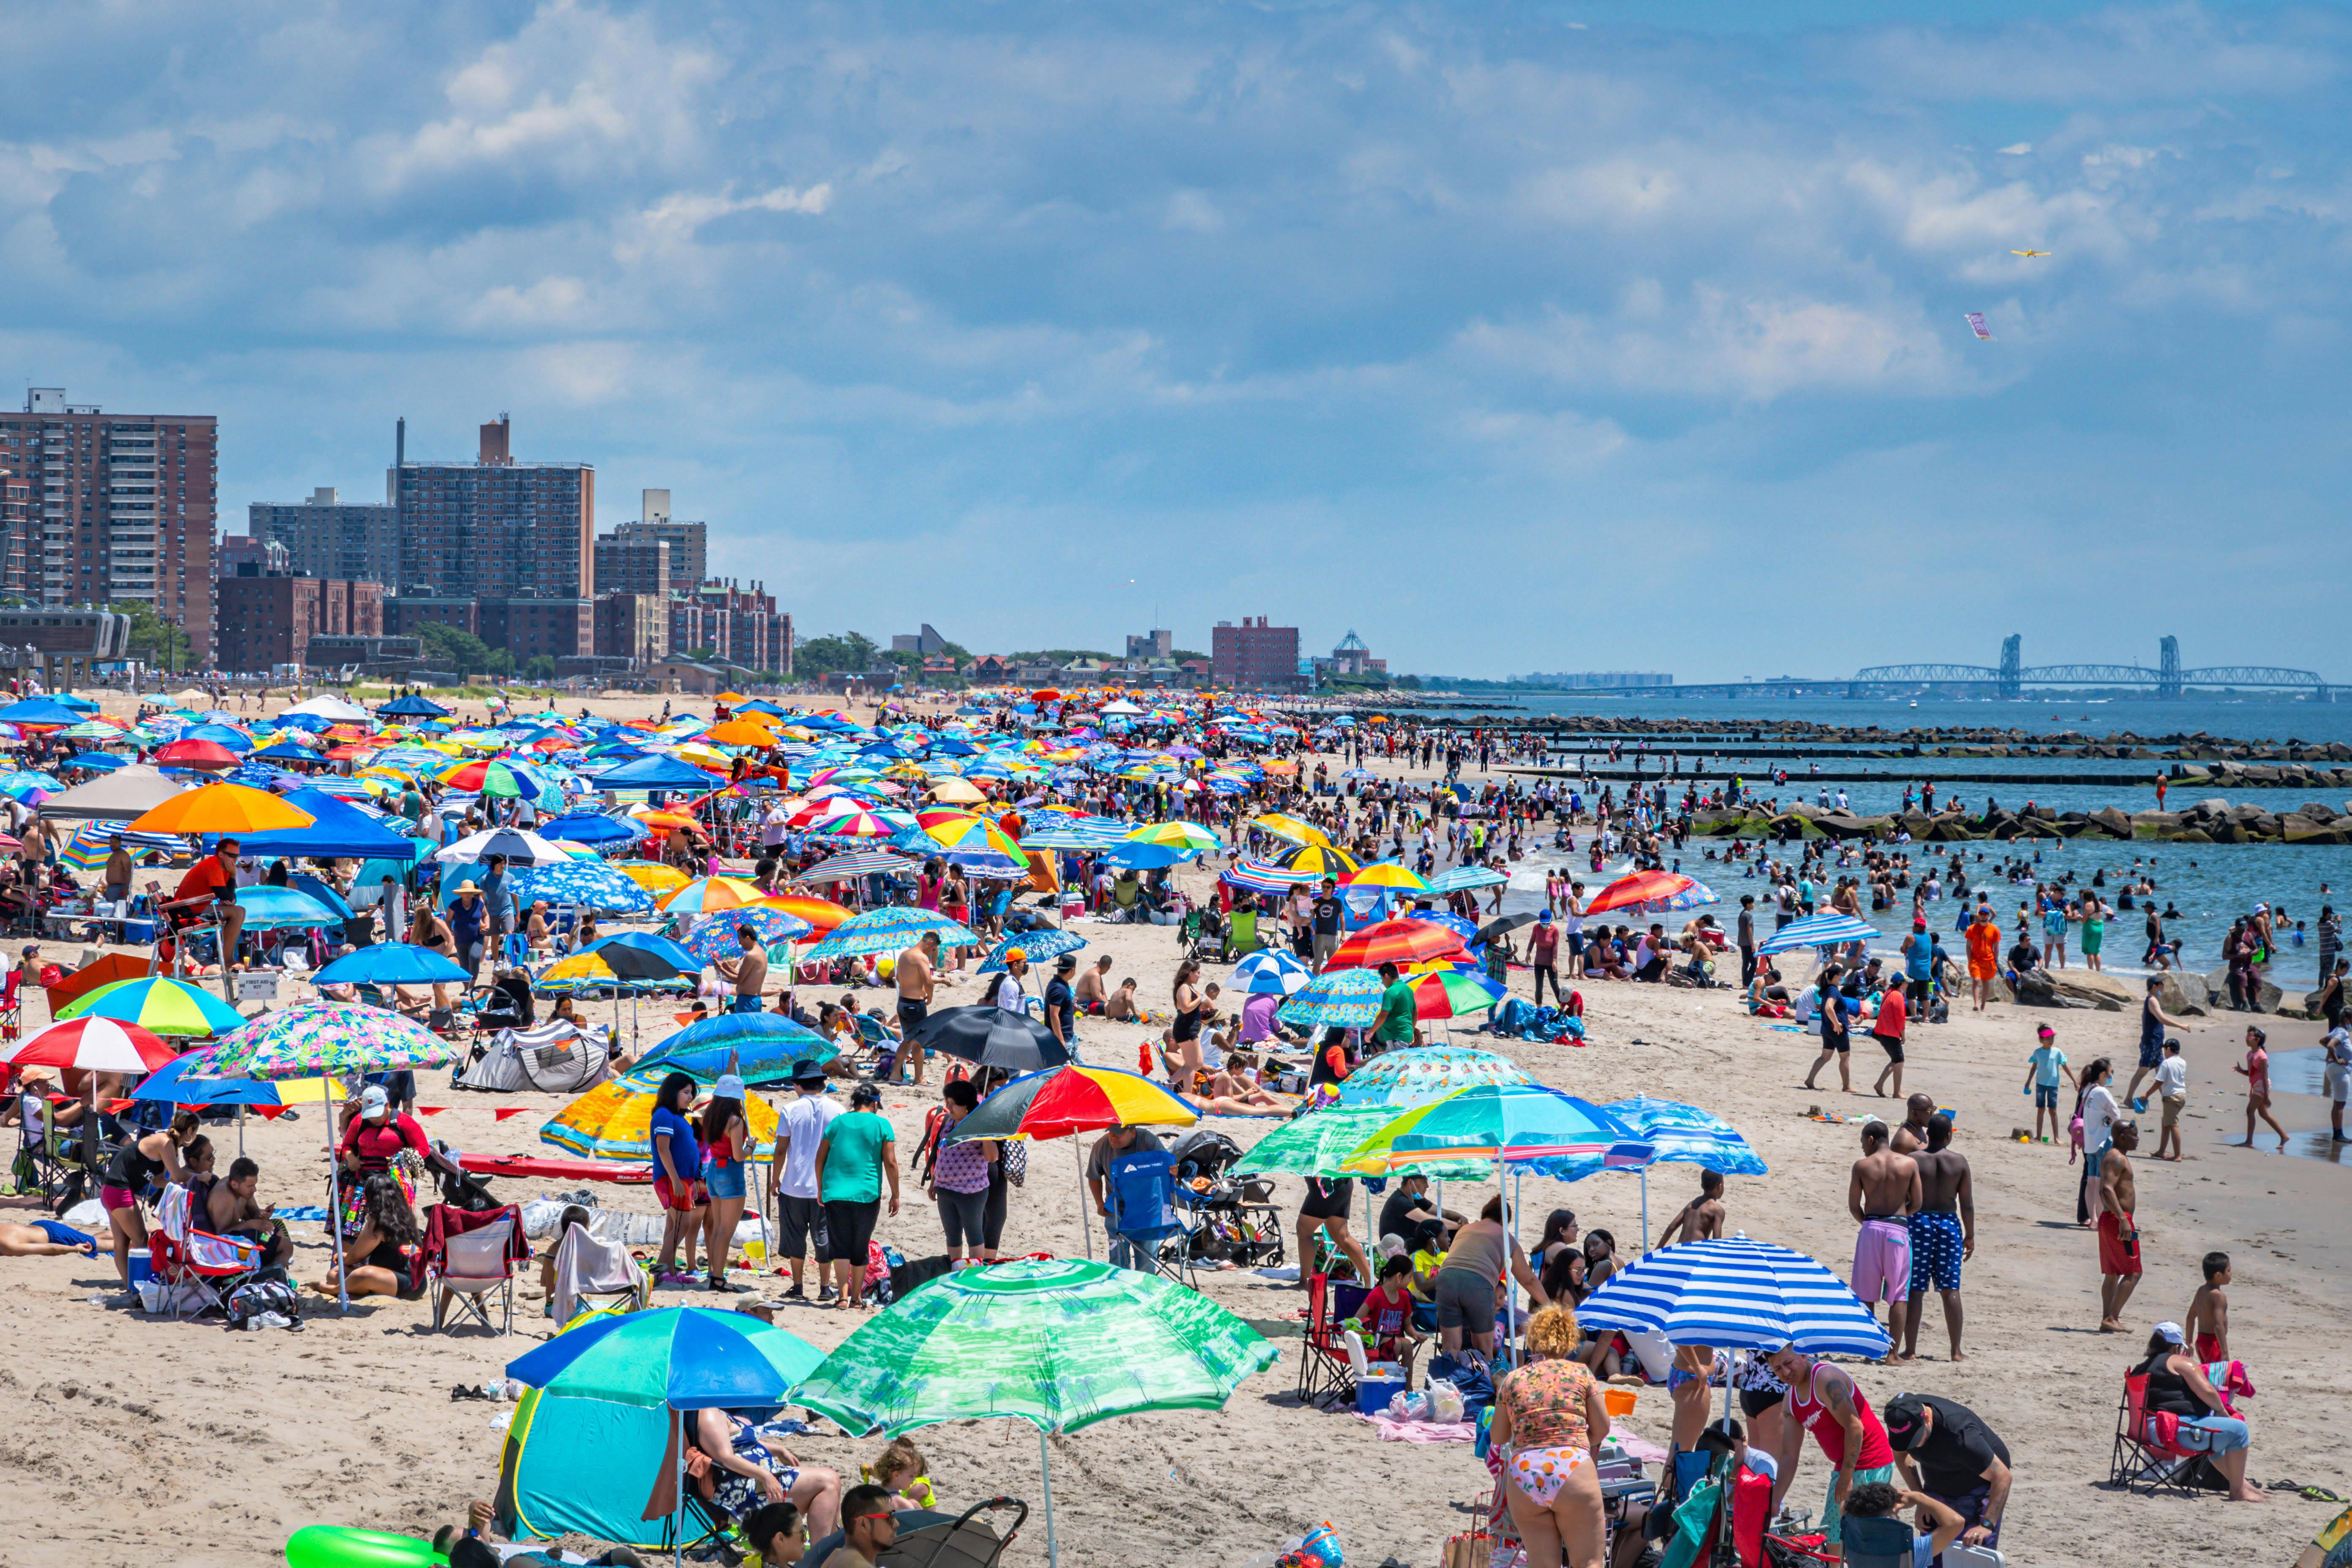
(851,864)
(1270,972)
(1685,1134)
(1737,1295)
(887,931)
(1264,876)
(1041,946)
(1467,876)
(1831,928)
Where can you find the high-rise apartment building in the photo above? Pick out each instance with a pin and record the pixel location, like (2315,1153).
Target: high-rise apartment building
(118,507)
(689,542)
(739,625)
(495,529)
(633,566)
(327,536)
(1255,657)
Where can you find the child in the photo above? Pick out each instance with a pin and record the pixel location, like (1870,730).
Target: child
(900,1467)
(2257,1073)
(2172,1087)
(1387,1313)
(2043,1071)
(2208,1311)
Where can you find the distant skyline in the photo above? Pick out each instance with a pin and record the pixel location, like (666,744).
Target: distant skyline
(1514,337)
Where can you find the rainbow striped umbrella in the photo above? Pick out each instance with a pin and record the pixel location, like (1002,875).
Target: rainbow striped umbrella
(1060,1101)
(1512,1122)
(159,1003)
(707,895)
(1399,941)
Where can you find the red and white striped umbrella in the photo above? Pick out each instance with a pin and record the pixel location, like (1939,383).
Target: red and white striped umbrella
(94,1044)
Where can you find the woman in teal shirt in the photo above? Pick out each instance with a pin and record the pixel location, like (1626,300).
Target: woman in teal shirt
(858,1151)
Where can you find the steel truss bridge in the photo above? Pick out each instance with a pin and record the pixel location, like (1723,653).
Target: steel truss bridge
(2169,680)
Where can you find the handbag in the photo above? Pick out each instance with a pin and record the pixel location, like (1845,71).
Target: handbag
(1015,1156)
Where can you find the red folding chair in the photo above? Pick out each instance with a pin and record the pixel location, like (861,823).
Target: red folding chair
(1325,1377)
(2147,1458)
(195,1263)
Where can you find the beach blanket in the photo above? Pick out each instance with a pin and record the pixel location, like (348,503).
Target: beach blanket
(1392,1430)
(554,1170)
(315,1213)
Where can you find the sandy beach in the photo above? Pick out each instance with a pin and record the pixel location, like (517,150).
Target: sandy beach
(138,1438)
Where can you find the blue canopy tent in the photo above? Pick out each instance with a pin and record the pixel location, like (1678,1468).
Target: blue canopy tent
(338,830)
(657,773)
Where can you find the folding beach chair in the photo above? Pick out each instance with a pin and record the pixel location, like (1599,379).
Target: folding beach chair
(12,1005)
(2147,1458)
(198,1267)
(595,1274)
(1241,936)
(1326,1375)
(1143,1214)
(472,1265)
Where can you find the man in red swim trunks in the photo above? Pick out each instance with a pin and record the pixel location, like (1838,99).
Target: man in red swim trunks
(2119,1260)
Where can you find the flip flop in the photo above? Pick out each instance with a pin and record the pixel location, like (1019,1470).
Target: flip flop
(2321,1494)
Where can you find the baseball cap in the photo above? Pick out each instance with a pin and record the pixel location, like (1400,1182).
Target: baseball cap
(1905,1420)
(1544,919)
(1016,955)
(1067,961)
(2169,1333)
(373,1098)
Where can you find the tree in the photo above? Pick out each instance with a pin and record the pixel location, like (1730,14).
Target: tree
(159,643)
(542,667)
(459,648)
(842,650)
(1186,655)
(699,655)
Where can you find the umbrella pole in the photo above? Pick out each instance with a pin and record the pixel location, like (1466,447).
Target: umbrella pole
(334,1211)
(1045,1461)
(1510,1238)
(678,1536)
(1085,1223)
(1645,1208)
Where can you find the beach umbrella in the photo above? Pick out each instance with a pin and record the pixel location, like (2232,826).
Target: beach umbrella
(1175,836)
(955,830)
(707,895)
(592,884)
(1059,1343)
(1060,1103)
(1639,889)
(1041,947)
(821,914)
(1398,941)
(413,707)
(641,955)
(1462,879)
(1146,856)
(1270,972)
(1461,927)
(322,1039)
(889,931)
(1510,1121)
(1292,829)
(269,909)
(1264,877)
(519,847)
(615,1120)
(851,864)
(1321,860)
(988,1036)
(161,1004)
(391,963)
(590,827)
(38,712)
(1391,873)
(652,875)
(1452,993)
(1071,833)
(1683,1134)
(225,808)
(1344,998)
(1737,1294)
(91,1045)
(715,938)
(1319,1143)
(1832,928)
(1423,1075)
(763,1048)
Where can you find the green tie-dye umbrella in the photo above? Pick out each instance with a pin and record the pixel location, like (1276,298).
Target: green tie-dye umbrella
(1060,1344)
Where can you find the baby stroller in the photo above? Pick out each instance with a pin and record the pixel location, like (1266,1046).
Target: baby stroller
(928,1539)
(1232,1217)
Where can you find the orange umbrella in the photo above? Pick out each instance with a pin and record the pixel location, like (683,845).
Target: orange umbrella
(1395,942)
(741,732)
(1637,887)
(222,808)
(821,913)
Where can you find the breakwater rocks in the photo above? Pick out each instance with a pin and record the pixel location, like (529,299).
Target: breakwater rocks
(1876,741)
(2213,821)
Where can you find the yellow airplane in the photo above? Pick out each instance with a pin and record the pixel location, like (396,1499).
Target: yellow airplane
(2029,253)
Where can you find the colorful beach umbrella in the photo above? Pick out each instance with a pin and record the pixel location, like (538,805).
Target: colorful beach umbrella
(1319,1143)
(159,1003)
(91,1045)
(614,1122)
(1462,879)
(709,894)
(222,808)
(1060,1101)
(887,931)
(1175,836)
(1513,1122)
(1342,998)
(319,1037)
(1424,1075)
(1394,875)
(1447,994)
(1321,860)
(592,884)
(687,1358)
(1832,928)
(717,937)
(1639,889)
(762,1045)
(1292,829)
(1398,941)
(1270,972)
(821,914)
(1685,1134)
(1041,948)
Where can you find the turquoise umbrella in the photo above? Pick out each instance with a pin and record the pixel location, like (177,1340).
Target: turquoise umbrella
(1060,1344)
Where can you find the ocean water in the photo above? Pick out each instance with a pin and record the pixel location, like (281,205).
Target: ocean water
(2209,884)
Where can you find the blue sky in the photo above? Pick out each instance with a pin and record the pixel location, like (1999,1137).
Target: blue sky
(1513,336)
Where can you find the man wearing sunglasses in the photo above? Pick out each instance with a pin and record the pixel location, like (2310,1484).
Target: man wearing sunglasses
(869,1527)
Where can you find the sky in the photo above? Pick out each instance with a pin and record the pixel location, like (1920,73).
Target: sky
(1511,336)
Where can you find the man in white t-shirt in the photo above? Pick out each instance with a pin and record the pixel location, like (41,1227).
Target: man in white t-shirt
(2172,1087)
(791,1175)
(773,832)
(2336,1084)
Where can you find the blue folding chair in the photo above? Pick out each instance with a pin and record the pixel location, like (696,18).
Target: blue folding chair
(1147,1233)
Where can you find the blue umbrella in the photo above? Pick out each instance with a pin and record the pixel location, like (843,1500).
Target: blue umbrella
(95,762)
(1687,1134)
(689,1358)
(887,931)
(303,882)
(591,883)
(763,1045)
(414,708)
(391,963)
(1147,856)
(1737,1294)
(590,827)
(179,1082)
(715,938)
(652,946)
(38,710)
(657,773)
(1349,998)
(267,908)
(1039,946)
(1831,928)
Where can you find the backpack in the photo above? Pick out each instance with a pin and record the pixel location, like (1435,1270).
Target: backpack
(254,1297)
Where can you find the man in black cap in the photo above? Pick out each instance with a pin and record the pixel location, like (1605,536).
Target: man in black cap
(791,1176)
(1062,1004)
(1945,1451)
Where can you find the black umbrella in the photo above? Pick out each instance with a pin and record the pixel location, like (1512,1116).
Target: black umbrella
(1503,925)
(991,1037)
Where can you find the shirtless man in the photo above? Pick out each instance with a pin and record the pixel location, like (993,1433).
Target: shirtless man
(1942,1233)
(1702,1219)
(230,1210)
(1912,1136)
(748,969)
(2119,1250)
(45,1239)
(1882,1197)
(1094,988)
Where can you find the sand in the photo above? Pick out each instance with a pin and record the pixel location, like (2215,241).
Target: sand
(137,1439)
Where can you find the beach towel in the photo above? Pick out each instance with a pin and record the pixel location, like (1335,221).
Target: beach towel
(582,1263)
(1392,1430)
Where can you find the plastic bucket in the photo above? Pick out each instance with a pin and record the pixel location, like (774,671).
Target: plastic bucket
(142,1266)
(1619,1401)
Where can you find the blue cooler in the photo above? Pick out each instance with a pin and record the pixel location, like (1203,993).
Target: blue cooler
(1373,1399)
(142,1266)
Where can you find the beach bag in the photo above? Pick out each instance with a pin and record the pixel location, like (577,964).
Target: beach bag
(254,1297)
(1015,1158)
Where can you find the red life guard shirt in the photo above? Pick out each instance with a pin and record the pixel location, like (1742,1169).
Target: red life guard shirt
(376,1145)
(208,879)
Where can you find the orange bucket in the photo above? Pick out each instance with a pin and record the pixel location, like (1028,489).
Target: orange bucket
(1619,1401)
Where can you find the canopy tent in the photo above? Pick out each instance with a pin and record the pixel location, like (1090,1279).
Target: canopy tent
(118,796)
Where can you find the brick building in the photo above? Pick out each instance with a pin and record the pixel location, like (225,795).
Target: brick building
(495,528)
(268,621)
(327,536)
(633,567)
(634,626)
(739,625)
(410,614)
(689,542)
(123,505)
(1255,657)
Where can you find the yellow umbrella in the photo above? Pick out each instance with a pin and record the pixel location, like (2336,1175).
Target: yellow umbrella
(222,808)
(1295,829)
(614,1122)
(652,875)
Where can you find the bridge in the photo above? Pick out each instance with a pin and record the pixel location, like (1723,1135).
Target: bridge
(2169,680)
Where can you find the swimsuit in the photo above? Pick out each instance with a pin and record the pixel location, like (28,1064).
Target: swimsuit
(1881,1258)
(1936,1246)
(2117,1256)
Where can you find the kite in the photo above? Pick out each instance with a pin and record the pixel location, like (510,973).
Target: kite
(1977,324)
(2029,253)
